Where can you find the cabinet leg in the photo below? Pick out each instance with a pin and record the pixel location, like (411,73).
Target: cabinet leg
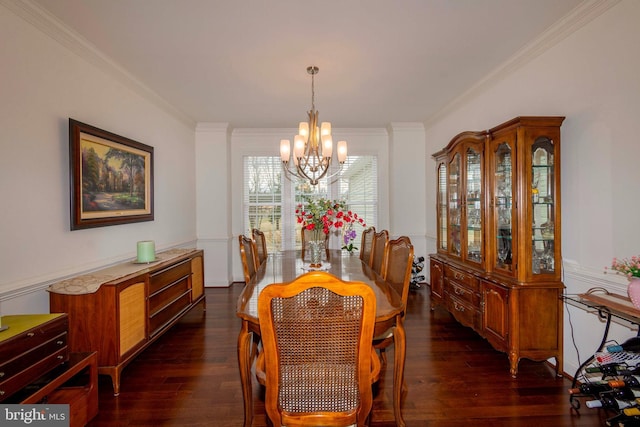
(514,359)
(115,380)
(114,373)
(558,366)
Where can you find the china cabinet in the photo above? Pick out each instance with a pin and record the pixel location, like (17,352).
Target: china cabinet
(497,266)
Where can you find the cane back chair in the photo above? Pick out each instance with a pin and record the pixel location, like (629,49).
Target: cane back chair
(396,271)
(380,240)
(317,362)
(367,244)
(261,245)
(248,257)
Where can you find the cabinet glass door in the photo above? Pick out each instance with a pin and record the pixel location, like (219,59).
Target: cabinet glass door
(455,205)
(473,206)
(543,206)
(442,207)
(503,207)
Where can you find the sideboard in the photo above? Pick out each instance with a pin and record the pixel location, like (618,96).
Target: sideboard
(119,311)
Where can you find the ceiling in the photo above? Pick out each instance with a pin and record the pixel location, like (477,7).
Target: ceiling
(244,61)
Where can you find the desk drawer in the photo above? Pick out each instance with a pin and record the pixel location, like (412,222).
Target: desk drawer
(461,277)
(35,337)
(28,367)
(162,278)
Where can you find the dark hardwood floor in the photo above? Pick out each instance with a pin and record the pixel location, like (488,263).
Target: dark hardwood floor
(189,377)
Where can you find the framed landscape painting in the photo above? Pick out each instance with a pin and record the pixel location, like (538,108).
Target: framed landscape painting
(111,178)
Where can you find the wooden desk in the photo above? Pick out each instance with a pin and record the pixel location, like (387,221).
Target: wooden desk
(286,266)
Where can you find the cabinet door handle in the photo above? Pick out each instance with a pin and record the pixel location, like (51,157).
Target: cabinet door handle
(59,342)
(1,392)
(458,291)
(1,374)
(458,307)
(30,334)
(60,357)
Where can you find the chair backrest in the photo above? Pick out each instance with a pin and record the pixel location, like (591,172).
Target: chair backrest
(396,269)
(367,244)
(307,235)
(261,245)
(380,240)
(248,257)
(317,334)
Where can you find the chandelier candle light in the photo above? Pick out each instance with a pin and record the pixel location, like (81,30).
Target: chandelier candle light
(312,147)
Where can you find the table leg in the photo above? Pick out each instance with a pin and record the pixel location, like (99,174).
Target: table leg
(399,343)
(572,398)
(244,363)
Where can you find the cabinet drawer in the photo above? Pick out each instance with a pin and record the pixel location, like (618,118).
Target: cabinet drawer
(464,293)
(461,277)
(35,337)
(39,364)
(464,312)
(170,312)
(162,278)
(167,295)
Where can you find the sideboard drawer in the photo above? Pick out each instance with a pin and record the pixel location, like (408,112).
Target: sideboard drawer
(169,312)
(464,312)
(166,296)
(464,293)
(461,277)
(169,275)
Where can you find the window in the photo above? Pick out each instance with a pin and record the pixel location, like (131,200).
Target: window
(263,198)
(270,199)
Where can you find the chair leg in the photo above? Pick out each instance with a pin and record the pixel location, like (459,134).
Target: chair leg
(383,357)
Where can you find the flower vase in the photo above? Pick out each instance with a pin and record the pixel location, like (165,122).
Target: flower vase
(634,291)
(316,247)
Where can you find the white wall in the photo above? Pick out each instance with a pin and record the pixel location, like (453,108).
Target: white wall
(407,182)
(591,77)
(44,82)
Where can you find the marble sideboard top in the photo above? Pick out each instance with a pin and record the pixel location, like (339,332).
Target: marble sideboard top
(91,282)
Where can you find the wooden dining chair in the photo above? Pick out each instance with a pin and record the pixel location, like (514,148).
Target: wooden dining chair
(380,240)
(248,257)
(396,271)
(367,244)
(261,245)
(307,235)
(317,363)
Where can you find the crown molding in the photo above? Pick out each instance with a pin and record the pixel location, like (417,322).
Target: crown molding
(290,132)
(46,22)
(572,22)
(221,127)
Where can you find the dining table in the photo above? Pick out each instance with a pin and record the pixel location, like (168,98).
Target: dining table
(284,267)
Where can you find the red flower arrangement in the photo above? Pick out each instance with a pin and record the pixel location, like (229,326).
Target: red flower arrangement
(322,215)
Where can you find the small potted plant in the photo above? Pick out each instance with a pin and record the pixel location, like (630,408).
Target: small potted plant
(630,268)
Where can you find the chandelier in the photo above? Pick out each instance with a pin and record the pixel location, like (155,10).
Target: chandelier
(312,147)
